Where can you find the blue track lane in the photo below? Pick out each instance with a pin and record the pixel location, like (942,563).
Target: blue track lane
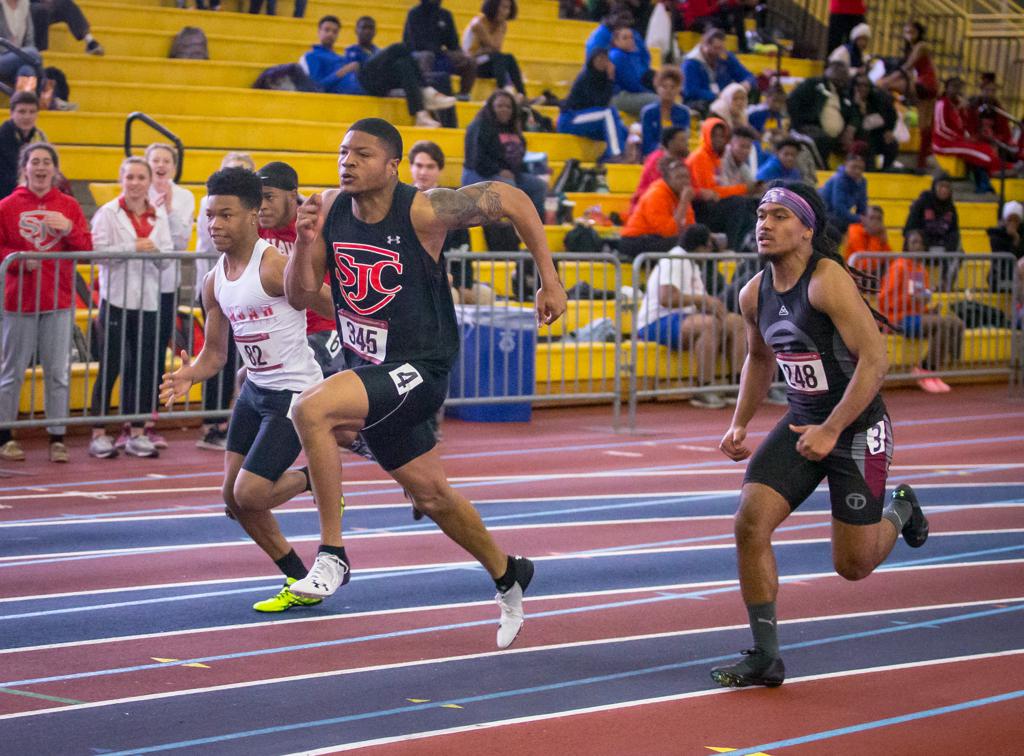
(57,620)
(307,714)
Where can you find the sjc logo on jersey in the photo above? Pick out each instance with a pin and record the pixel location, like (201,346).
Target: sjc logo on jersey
(361,272)
(33,229)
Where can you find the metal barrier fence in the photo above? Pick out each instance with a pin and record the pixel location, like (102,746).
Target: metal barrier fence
(617,340)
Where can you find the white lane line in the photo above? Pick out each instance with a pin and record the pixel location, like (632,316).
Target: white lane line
(685,587)
(29,560)
(485,654)
(617,706)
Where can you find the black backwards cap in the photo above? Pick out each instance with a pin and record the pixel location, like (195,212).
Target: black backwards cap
(278,175)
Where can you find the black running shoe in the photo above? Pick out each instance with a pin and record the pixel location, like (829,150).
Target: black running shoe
(915,532)
(757,668)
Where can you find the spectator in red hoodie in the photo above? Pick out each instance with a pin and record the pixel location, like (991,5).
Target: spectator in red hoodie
(277,225)
(38,301)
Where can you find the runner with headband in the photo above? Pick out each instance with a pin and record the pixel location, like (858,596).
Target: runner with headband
(805,314)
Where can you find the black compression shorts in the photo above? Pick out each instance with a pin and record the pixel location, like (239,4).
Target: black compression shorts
(856,470)
(403,400)
(262,432)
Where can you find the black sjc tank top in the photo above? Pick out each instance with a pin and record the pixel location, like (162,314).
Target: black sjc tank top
(392,300)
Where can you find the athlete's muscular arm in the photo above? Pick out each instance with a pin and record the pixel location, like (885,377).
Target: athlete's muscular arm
(755,379)
(306,266)
(833,292)
(211,359)
(488,202)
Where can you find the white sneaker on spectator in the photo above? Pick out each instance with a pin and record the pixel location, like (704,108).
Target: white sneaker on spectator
(140,446)
(434,100)
(708,401)
(327,575)
(155,438)
(102,447)
(423,119)
(12,452)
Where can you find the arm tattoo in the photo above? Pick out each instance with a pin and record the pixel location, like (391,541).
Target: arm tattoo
(471,205)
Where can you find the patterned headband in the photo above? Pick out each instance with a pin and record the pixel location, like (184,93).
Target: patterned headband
(793,201)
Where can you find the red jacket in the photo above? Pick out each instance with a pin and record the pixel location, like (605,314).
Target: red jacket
(284,239)
(22,230)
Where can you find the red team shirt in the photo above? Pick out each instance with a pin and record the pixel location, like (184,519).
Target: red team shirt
(284,240)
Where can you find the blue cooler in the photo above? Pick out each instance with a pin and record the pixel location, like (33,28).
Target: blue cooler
(496,359)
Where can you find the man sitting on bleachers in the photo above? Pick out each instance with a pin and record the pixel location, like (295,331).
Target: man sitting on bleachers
(846,193)
(430,33)
(821,111)
(934,214)
(869,235)
(709,68)
(783,164)
(675,142)
(366,69)
(678,312)
(662,212)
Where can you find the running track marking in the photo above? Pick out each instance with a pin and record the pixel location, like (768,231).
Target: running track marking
(668,699)
(665,592)
(563,685)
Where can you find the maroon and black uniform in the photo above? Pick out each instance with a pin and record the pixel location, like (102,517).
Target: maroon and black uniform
(818,367)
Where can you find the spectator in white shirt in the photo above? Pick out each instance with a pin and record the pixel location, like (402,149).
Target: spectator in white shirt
(129,302)
(678,312)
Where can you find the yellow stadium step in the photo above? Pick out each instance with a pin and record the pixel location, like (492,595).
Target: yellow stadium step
(227,22)
(287,45)
(225,73)
(987,345)
(599,275)
(541,9)
(278,134)
(608,202)
(905,353)
(954,166)
(997,300)
(100,164)
(623,178)
(231,102)
(972,240)
(580,313)
(889,185)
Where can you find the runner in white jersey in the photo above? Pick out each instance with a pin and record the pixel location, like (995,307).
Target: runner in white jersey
(244,293)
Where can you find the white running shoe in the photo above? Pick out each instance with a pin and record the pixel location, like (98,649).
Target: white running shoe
(326,576)
(140,446)
(434,100)
(511,603)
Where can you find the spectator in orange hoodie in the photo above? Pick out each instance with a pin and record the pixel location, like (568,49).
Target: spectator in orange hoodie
(728,209)
(905,299)
(661,214)
(869,236)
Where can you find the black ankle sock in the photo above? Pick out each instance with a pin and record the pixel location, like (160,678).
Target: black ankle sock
(507,580)
(309,482)
(56,438)
(338,551)
(763,626)
(5,436)
(291,565)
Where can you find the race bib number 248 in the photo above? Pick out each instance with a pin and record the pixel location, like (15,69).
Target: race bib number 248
(804,372)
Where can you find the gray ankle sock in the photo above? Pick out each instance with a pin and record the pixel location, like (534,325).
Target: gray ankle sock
(898,513)
(762,625)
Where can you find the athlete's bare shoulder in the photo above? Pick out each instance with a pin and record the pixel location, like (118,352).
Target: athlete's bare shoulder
(748,296)
(272,271)
(327,198)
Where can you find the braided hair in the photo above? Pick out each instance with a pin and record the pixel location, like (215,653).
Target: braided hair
(825,243)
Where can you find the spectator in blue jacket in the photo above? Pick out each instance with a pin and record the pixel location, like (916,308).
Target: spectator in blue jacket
(666,112)
(366,69)
(846,193)
(587,110)
(782,165)
(633,78)
(709,68)
(601,37)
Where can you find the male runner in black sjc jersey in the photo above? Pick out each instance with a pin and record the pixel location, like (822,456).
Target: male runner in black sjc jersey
(380,240)
(804,312)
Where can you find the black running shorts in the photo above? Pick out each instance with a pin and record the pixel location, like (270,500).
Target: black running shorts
(404,397)
(856,470)
(262,432)
(327,351)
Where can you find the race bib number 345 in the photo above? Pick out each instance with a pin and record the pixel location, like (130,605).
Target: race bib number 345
(367,338)
(804,372)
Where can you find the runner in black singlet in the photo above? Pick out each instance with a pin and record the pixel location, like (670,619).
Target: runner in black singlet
(804,313)
(381,241)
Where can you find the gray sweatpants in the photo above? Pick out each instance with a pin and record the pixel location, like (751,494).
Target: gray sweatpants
(23,334)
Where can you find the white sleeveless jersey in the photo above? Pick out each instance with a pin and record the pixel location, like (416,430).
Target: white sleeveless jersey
(269,332)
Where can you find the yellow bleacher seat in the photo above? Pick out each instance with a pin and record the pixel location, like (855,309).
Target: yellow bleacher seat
(987,345)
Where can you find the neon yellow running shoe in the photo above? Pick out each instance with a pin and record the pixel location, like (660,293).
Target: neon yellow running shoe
(284,600)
